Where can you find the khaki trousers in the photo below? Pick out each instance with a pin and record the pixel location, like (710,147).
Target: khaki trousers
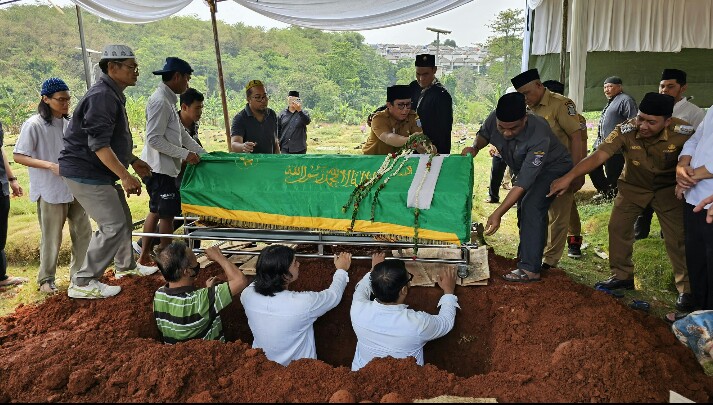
(559,218)
(106,205)
(621,238)
(52,218)
(575,224)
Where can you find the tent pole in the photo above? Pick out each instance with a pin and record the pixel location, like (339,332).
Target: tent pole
(85,57)
(563,50)
(213,9)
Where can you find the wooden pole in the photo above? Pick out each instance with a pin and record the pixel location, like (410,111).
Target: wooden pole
(563,50)
(85,57)
(213,9)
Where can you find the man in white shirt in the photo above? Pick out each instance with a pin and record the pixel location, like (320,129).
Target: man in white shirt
(386,326)
(694,177)
(673,82)
(167,145)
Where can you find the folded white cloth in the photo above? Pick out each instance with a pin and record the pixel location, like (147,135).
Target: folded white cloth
(429,184)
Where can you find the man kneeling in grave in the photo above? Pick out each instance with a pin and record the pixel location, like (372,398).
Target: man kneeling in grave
(386,326)
(184,312)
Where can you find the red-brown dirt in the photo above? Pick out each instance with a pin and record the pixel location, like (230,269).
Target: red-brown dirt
(555,340)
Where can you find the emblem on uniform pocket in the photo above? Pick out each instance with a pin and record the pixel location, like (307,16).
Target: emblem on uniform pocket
(539,157)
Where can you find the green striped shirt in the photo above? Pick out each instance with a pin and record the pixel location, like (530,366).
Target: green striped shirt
(187,313)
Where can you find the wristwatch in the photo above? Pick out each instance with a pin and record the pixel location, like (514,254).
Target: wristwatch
(13,178)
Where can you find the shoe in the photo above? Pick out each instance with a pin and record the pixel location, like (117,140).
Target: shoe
(93,290)
(140,271)
(684,302)
(613,283)
(48,287)
(519,276)
(137,248)
(574,247)
(491,201)
(545,267)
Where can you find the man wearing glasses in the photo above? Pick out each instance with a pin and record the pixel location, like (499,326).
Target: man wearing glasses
(391,128)
(386,326)
(97,152)
(254,129)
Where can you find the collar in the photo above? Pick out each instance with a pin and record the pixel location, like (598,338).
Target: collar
(662,136)
(391,307)
(682,101)
(178,290)
(435,82)
(168,93)
(546,97)
(112,84)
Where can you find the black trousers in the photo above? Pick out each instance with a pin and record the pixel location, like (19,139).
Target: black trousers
(497,172)
(606,182)
(699,256)
(4,213)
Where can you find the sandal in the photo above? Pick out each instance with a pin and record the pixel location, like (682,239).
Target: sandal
(519,276)
(13,281)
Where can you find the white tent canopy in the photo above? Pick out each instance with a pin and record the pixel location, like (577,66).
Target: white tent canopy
(338,15)
(626,25)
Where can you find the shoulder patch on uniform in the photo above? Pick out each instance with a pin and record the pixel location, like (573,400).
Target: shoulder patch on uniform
(539,158)
(684,129)
(571,108)
(611,137)
(627,127)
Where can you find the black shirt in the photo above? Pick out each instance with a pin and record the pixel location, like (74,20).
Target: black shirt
(434,107)
(292,127)
(264,133)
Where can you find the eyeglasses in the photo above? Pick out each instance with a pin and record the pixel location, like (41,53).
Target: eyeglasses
(62,100)
(135,68)
(403,106)
(260,98)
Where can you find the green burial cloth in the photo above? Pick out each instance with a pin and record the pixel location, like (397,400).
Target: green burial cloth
(309,191)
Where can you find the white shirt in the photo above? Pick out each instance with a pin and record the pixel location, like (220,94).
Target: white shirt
(282,324)
(688,112)
(167,142)
(700,148)
(43,141)
(395,330)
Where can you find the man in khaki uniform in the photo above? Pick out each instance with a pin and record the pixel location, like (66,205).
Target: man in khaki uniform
(391,128)
(561,114)
(651,143)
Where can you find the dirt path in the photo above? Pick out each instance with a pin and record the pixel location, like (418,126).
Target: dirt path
(550,341)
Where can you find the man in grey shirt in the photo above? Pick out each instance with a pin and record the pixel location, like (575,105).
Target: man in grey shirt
(528,146)
(167,145)
(619,108)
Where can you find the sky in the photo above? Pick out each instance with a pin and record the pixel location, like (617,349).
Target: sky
(467,23)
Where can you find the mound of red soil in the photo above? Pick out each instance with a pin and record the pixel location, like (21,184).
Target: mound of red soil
(554,341)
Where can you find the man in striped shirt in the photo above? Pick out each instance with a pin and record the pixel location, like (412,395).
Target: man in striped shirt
(184,312)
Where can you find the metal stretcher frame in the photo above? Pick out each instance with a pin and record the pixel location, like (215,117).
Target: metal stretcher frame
(193,232)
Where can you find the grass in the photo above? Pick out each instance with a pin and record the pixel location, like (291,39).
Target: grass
(654,276)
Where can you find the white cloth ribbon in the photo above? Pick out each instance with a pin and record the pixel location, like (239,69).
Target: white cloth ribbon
(425,196)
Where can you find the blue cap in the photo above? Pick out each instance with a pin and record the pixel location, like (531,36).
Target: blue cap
(53,85)
(174,65)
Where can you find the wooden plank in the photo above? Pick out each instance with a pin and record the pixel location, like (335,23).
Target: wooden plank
(478,271)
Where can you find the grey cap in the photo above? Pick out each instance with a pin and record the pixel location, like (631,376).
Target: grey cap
(613,80)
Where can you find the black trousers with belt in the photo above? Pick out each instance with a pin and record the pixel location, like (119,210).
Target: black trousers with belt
(699,256)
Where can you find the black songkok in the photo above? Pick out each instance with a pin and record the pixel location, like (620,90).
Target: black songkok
(524,78)
(425,60)
(511,107)
(657,104)
(554,86)
(674,74)
(398,92)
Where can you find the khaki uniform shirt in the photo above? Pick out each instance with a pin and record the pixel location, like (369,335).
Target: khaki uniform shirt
(384,122)
(561,113)
(583,128)
(650,168)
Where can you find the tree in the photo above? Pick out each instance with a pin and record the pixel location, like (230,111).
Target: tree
(450,42)
(505,46)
